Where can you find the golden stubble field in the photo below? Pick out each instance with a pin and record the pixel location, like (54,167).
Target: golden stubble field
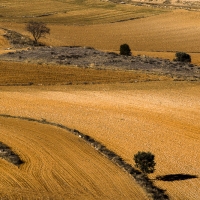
(161,117)
(58,165)
(158,116)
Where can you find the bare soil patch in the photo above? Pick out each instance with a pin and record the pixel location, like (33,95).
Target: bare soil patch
(152,191)
(160,117)
(59,165)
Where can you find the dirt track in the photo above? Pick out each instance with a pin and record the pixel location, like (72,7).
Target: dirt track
(159,117)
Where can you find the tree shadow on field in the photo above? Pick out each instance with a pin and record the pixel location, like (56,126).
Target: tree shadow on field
(175,177)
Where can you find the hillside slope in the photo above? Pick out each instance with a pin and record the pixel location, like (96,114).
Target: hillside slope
(160,117)
(59,165)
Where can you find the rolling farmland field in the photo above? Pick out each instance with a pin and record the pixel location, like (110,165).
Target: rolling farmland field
(127,111)
(158,35)
(161,117)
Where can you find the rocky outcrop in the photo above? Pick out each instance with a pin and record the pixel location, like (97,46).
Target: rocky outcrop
(7,154)
(91,58)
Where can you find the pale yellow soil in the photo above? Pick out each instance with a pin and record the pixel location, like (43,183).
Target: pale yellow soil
(160,117)
(59,165)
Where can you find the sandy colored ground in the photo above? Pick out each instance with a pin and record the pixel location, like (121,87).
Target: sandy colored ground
(161,117)
(58,165)
(158,36)
(13,73)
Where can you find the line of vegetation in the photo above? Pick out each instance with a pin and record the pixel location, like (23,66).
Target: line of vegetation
(141,178)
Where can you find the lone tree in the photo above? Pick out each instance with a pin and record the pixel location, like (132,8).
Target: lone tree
(37,29)
(125,50)
(182,57)
(145,162)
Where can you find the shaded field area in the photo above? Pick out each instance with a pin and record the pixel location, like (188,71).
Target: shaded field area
(160,117)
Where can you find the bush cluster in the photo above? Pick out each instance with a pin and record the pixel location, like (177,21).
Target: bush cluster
(125,50)
(145,162)
(182,57)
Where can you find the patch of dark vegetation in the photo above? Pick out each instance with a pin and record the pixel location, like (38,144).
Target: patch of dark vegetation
(153,191)
(18,40)
(182,57)
(7,154)
(125,50)
(87,57)
(175,177)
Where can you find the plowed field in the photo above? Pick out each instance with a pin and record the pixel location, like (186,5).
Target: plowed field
(161,117)
(58,165)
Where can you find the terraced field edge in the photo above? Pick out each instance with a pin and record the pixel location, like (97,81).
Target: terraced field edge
(153,191)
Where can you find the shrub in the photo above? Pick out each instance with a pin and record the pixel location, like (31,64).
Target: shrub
(182,57)
(145,162)
(125,50)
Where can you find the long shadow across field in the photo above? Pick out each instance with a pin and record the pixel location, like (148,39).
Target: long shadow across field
(175,177)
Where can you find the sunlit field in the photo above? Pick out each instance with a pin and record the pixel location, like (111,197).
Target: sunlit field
(128,111)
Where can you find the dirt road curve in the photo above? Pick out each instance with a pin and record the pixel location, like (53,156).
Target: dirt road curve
(161,117)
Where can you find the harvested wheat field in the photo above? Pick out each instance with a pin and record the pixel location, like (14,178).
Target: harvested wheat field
(49,74)
(58,165)
(160,117)
(127,111)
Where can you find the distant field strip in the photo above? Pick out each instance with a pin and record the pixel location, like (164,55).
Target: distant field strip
(43,74)
(72,12)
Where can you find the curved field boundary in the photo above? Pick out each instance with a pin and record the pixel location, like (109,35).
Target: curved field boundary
(154,192)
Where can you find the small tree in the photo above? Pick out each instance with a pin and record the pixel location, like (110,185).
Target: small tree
(145,162)
(182,57)
(125,50)
(37,29)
